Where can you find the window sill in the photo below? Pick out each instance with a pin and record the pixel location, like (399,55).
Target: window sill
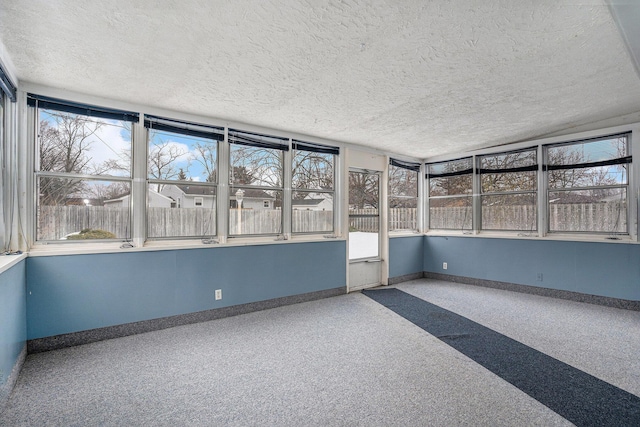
(592,238)
(166,245)
(8,261)
(405,233)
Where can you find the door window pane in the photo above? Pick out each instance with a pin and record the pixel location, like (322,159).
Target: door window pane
(364,215)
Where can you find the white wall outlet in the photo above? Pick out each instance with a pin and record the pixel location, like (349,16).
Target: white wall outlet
(218,294)
(444,265)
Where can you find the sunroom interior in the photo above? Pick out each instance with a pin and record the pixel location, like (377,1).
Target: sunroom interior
(165,164)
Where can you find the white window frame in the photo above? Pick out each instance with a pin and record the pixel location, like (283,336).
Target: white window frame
(416,168)
(37,102)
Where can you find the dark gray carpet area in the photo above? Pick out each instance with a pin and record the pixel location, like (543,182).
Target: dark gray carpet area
(579,397)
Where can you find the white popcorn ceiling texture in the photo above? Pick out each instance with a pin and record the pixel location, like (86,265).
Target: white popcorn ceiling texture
(418,78)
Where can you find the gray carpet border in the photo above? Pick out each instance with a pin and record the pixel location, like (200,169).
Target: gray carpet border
(540,291)
(93,335)
(9,384)
(579,397)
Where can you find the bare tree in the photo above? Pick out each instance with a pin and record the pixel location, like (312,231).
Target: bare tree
(64,144)
(312,171)
(363,190)
(205,155)
(161,161)
(113,190)
(263,164)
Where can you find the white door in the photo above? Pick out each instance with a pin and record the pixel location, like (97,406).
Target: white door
(365,261)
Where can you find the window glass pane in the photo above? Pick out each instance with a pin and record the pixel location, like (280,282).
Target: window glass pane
(451,166)
(313,171)
(588,177)
(588,151)
(255,166)
(402,182)
(364,215)
(450,186)
(181,210)
(453,213)
(513,181)
(77,209)
(175,156)
(595,210)
(403,213)
(514,159)
(516,212)
(249,214)
(79,144)
(312,212)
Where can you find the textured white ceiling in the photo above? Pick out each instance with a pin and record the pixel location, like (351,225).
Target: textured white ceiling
(419,78)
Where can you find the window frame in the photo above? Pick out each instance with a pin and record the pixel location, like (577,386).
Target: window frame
(38,103)
(625,160)
(238,137)
(309,147)
(510,171)
(181,128)
(470,171)
(411,167)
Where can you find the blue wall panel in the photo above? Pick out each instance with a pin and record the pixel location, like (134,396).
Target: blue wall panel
(74,293)
(595,268)
(405,255)
(13,317)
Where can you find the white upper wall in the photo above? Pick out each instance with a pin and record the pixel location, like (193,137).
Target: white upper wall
(416,78)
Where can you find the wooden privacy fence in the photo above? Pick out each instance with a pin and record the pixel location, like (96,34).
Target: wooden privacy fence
(399,219)
(610,217)
(307,221)
(55,222)
(170,222)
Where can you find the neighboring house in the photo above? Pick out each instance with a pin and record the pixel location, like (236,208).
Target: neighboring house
(195,196)
(254,199)
(156,200)
(190,196)
(312,204)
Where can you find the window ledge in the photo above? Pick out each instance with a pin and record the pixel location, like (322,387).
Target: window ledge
(8,261)
(407,233)
(165,245)
(593,238)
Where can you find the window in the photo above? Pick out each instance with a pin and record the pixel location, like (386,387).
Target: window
(182,167)
(508,187)
(450,194)
(588,185)
(313,188)
(403,195)
(83,171)
(256,174)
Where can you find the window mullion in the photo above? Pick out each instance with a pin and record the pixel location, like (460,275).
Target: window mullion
(223,188)
(286,194)
(139,185)
(542,206)
(476,202)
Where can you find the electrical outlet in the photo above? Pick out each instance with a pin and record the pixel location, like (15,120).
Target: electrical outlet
(444,265)
(218,294)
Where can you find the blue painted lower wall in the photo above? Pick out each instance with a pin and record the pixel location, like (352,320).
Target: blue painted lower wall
(594,268)
(75,293)
(13,318)
(405,255)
